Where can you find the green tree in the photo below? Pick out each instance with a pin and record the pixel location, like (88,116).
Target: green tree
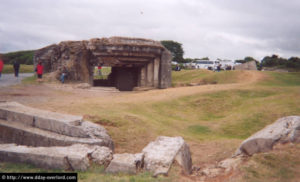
(175,48)
(293,62)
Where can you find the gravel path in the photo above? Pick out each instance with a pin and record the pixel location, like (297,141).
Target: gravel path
(10,79)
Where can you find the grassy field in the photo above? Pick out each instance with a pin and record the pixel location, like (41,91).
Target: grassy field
(8,68)
(105,71)
(214,119)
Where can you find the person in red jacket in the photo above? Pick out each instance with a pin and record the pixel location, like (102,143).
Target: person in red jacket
(1,65)
(39,71)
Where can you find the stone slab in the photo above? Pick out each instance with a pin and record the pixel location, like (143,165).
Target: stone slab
(160,155)
(63,124)
(52,121)
(11,132)
(286,129)
(125,163)
(75,157)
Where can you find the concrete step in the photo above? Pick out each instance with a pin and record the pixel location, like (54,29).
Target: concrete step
(104,89)
(14,132)
(56,122)
(63,124)
(75,157)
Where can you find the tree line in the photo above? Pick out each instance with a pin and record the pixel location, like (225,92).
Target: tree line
(22,57)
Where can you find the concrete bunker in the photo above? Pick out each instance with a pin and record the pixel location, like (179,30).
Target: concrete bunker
(134,62)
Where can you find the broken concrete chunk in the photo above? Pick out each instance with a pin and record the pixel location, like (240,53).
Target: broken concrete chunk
(160,154)
(125,163)
(284,130)
(101,156)
(13,132)
(68,158)
(75,157)
(97,131)
(184,159)
(63,124)
(52,121)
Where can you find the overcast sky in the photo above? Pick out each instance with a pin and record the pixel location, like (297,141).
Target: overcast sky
(227,29)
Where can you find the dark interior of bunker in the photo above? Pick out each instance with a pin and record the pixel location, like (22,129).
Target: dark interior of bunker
(124,79)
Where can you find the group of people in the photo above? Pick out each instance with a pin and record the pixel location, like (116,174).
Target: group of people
(39,69)
(16,66)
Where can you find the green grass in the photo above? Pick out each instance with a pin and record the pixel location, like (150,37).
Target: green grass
(94,173)
(29,80)
(230,115)
(8,68)
(282,79)
(203,77)
(105,72)
(277,166)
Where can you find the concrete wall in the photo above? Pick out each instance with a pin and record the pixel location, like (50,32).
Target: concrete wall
(165,72)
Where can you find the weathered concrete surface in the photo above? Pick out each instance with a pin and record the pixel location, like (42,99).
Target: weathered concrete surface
(12,132)
(78,58)
(160,154)
(75,157)
(284,130)
(52,121)
(67,126)
(101,156)
(251,65)
(126,163)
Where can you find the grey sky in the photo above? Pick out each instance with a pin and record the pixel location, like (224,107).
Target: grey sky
(228,29)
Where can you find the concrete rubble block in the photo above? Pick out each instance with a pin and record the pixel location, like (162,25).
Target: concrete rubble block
(160,155)
(52,121)
(126,163)
(101,156)
(12,132)
(63,124)
(75,157)
(286,129)
(221,168)
(230,163)
(59,126)
(20,118)
(67,158)
(8,112)
(98,132)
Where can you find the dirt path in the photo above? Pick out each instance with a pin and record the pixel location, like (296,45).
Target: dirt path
(41,95)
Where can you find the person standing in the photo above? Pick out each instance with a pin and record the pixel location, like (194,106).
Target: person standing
(63,75)
(1,66)
(39,71)
(99,69)
(16,68)
(219,68)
